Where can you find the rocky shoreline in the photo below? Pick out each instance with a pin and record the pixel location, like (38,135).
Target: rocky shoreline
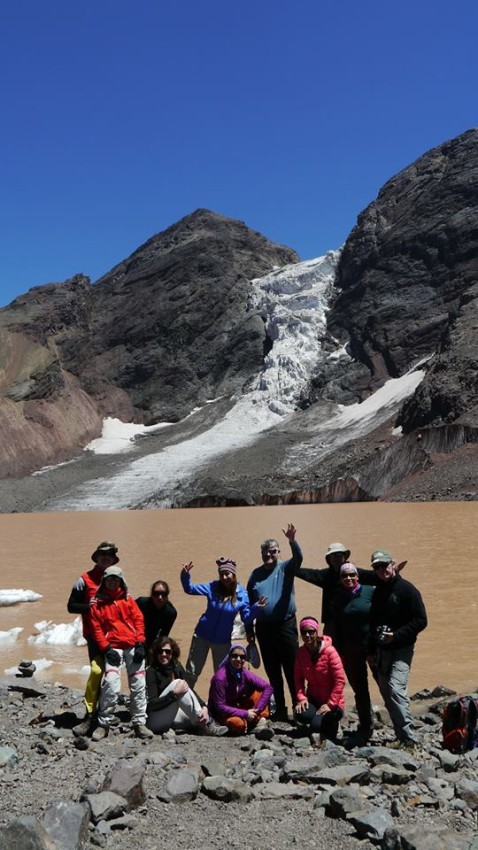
(276,789)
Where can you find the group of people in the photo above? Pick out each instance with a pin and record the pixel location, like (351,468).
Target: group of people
(371,619)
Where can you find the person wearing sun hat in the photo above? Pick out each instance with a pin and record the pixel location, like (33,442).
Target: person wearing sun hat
(81,600)
(225,599)
(397,615)
(328,578)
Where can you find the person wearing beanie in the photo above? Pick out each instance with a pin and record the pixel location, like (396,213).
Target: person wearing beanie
(319,682)
(118,630)
(225,599)
(81,600)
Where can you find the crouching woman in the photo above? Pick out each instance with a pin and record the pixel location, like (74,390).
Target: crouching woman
(238,698)
(319,682)
(172,703)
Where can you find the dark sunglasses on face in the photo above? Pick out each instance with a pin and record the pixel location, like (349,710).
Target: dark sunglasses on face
(238,657)
(308,631)
(381,566)
(162,593)
(165,652)
(349,575)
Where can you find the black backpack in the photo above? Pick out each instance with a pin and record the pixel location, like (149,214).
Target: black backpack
(459,722)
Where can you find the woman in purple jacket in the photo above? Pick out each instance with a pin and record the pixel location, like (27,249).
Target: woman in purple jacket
(238,698)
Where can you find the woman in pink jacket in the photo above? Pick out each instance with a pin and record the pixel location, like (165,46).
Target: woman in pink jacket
(319,682)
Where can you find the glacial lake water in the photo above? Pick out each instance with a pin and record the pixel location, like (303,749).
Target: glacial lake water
(47,552)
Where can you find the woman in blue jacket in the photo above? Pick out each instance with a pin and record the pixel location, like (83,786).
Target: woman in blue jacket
(225,599)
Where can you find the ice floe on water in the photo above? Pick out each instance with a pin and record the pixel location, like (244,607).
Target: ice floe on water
(58,634)
(13,596)
(9,637)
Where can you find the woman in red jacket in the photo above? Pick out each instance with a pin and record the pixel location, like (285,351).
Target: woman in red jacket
(118,630)
(319,682)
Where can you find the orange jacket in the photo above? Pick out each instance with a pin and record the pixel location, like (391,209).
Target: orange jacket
(116,622)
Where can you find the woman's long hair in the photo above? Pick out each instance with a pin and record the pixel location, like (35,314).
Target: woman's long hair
(157,645)
(227,594)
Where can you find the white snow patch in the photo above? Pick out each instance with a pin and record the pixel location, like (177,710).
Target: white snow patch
(61,634)
(13,596)
(118,436)
(7,638)
(389,396)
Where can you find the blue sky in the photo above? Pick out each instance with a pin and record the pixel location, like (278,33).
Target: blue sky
(119,118)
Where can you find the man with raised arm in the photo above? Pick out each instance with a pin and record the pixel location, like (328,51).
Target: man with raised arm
(276,624)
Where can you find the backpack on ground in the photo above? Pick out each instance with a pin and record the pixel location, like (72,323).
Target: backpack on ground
(459,725)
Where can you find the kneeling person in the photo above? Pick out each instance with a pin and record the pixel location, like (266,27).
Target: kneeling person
(237,697)
(319,682)
(118,630)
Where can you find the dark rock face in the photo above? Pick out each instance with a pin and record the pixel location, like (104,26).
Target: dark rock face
(162,332)
(168,329)
(170,325)
(407,279)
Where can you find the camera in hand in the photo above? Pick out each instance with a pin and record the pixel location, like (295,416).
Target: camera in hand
(381,633)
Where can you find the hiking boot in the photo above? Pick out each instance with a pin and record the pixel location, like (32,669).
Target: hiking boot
(85,727)
(402,745)
(141,731)
(356,739)
(100,733)
(280,715)
(213,729)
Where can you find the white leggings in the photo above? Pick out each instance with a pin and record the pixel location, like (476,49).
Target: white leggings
(111,685)
(183,713)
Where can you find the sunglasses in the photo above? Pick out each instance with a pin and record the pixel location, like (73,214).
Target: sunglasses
(159,593)
(308,631)
(381,566)
(349,575)
(165,652)
(237,657)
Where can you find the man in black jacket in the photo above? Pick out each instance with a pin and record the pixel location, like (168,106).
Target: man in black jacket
(397,616)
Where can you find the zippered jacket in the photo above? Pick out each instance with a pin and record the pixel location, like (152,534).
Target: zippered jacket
(323,680)
(217,622)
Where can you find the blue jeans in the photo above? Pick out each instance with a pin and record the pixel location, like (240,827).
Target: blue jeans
(393,669)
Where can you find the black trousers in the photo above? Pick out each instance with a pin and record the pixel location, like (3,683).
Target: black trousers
(279,643)
(327,724)
(356,669)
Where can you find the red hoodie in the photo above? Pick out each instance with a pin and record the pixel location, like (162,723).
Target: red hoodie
(116,620)
(325,678)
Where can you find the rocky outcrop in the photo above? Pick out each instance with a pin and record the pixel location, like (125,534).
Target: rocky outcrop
(120,792)
(407,287)
(164,331)
(174,326)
